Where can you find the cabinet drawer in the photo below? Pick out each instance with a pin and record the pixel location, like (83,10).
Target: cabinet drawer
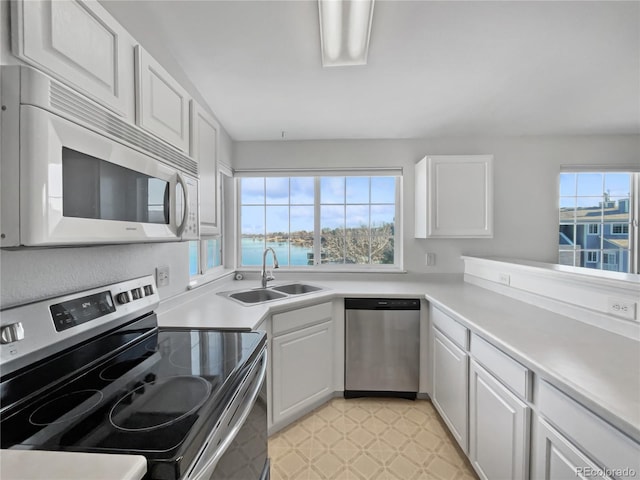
(452,329)
(302,317)
(515,376)
(599,440)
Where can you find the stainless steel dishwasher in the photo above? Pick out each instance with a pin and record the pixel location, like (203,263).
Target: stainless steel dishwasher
(382,347)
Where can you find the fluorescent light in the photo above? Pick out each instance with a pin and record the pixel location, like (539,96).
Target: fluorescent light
(345,27)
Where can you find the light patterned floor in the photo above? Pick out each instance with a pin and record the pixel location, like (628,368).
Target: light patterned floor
(366,439)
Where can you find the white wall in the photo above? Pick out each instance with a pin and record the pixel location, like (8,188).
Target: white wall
(526,184)
(31,274)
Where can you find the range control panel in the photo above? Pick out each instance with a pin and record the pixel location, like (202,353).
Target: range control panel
(33,331)
(84,309)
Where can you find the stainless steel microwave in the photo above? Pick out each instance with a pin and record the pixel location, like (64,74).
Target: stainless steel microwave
(73,173)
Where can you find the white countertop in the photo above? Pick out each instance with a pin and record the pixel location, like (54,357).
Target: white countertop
(43,465)
(599,369)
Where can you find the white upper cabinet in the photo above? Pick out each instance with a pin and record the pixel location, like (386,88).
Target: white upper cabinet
(80,43)
(454,196)
(204,148)
(162,105)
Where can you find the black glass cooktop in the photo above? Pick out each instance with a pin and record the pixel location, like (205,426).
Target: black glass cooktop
(159,396)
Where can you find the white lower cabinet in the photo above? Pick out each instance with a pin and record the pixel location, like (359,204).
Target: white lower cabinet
(302,370)
(498,428)
(450,385)
(557,458)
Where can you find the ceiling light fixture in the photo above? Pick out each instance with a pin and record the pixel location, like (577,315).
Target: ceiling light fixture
(345,27)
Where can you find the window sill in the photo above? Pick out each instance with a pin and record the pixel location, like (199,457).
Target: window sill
(217,274)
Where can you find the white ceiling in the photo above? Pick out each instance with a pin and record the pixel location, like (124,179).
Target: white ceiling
(435,68)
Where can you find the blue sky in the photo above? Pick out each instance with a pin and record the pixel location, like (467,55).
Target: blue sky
(589,188)
(343,200)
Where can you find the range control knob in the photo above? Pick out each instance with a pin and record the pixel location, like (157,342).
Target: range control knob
(12,333)
(123,298)
(137,294)
(148,290)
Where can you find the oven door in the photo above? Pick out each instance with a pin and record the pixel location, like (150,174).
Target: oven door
(78,187)
(238,449)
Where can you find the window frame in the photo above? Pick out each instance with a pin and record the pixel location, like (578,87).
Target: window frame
(397,266)
(622,229)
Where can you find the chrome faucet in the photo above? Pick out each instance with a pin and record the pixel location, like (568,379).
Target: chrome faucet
(265,277)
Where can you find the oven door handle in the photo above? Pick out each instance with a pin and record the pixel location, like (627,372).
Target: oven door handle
(246,407)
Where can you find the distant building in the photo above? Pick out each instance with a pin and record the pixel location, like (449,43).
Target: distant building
(601,239)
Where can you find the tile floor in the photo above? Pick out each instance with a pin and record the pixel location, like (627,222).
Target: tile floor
(369,438)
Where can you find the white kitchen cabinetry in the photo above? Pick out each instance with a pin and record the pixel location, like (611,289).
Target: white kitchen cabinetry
(81,44)
(454,196)
(558,459)
(570,437)
(302,362)
(450,373)
(498,428)
(162,105)
(204,148)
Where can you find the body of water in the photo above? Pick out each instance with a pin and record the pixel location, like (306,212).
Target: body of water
(252,253)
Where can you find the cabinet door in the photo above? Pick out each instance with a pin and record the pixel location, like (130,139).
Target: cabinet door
(162,105)
(498,428)
(80,43)
(204,148)
(454,193)
(556,458)
(302,370)
(450,387)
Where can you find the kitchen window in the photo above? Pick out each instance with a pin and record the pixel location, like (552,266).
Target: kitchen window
(599,220)
(346,222)
(206,260)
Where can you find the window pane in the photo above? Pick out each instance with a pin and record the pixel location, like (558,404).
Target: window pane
(567,235)
(332,190)
(252,221)
(193,258)
(251,249)
(617,184)
(277,190)
(331,217)
(252,234)
(214,253)
(278,232)
(568,184)
(302,190)
(357,248)
(590,184)
(301,237)
(357,216)
(252,190)
(382,215)
(332,246)
(357,189)
(382,249)
(617,210)
(383,190)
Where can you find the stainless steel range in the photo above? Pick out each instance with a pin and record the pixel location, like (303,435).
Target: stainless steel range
(92,372)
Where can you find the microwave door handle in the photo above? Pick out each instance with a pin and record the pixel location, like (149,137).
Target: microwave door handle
(185,193)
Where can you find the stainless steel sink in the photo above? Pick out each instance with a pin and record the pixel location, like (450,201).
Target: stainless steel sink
(256,296)
(296,288)
(277,292)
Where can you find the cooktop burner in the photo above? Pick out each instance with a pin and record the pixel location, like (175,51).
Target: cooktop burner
(159,404)
(58,410)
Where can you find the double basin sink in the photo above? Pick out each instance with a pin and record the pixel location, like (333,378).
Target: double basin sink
(260,295)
